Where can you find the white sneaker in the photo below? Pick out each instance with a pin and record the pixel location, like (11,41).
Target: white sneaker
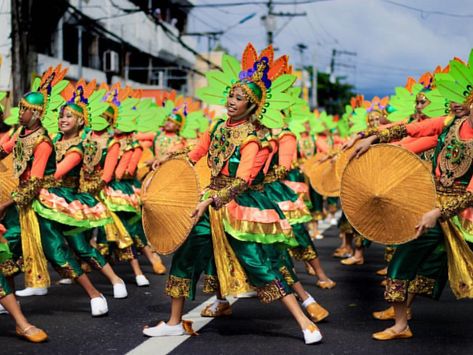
(3,310)
(249,294)
(98,306)
(141,280)
(32,291)
(119,290)
(311,337)
(319,236)
(333,222)
(65,281)
(163,330)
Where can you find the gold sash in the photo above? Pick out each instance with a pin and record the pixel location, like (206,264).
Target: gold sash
(35,264)
(460,261)
(231,276)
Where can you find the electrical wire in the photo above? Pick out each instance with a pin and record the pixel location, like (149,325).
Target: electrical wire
(424,12)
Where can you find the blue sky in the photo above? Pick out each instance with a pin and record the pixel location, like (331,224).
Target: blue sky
(391,42)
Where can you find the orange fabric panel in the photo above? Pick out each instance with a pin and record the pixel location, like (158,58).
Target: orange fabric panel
(274,149)
(287,149)
(419,145)
(70,161)
(251,162)
(201,149)
(41,156)
(135,159)
(430,127)
(111,161)
(123,164)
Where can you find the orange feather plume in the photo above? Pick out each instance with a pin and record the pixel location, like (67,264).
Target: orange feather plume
(249,57)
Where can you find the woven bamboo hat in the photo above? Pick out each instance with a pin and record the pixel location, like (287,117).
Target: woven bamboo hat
(385,192)
(144,169)
(8,183)
(203,172)
(171,194)
(324,179)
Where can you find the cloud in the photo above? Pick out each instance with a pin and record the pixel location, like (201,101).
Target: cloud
(391,42)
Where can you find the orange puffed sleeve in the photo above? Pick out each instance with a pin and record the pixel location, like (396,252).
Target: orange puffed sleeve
(70,161)
(249,164)
(287,149)
(419,145)
(111,162)
(135,159)
(322,145)
(8,145)
(123,164)
(201,148)
(142,136)
(274,149)
(41,156)
(430,127)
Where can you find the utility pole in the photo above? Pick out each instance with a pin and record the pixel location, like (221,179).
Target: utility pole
(79,43)
(269,20)
(23,54)
(334,63)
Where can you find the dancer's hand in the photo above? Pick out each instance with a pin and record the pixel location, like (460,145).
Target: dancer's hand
(363,147)
(201,208)
(427,221)
(351,142)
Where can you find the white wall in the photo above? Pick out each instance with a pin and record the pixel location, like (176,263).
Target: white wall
(137,29)
(5,46)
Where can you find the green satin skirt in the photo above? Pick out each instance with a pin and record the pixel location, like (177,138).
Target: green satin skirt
(4,286)
(419,266)
(195,257)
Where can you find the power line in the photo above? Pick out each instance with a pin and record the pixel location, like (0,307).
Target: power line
(424,12)
(301,2)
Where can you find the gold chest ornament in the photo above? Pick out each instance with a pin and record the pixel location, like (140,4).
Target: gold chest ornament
(24,149)
(223,143)
(456,156)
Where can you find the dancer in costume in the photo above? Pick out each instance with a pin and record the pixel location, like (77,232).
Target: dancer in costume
(64,203)
(232,147)
(8,302)
(422,265)
(35,164)
(374,114)
(121,194)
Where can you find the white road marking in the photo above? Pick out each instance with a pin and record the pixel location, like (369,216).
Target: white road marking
(164,345)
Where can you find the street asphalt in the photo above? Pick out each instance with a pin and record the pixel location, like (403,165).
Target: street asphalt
(439,327)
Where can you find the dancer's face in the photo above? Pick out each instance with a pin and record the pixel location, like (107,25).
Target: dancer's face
(237,103)
(68,122)
(170,126)
(459,110)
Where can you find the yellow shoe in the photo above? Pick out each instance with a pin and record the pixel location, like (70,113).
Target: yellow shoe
(316,312)
(327,285)
(32,334)
(382,272)
(217,310)
(383,283)
(390,334)
(159,268)
(388,314)
(352,261)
